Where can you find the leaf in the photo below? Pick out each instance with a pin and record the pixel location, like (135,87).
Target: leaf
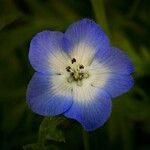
(99,9)
(39,146)
(34,146)
(50,134)
(8,13)
(49,129)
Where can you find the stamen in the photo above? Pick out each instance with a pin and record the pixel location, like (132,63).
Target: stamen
(58,73)
(72,73)
(68,68)
(92,85)
(75,74)
(73,60)
(81,76)
(86,75)
(81,67)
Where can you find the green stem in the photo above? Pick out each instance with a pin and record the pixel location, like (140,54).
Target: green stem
(85,140)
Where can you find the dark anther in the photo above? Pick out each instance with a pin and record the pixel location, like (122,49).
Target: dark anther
(73,60)
(58,73)
(81,67)
(92,85)
(68,68)
(81,75)
(72,73)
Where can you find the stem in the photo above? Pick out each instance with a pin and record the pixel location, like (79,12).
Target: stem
(85,140)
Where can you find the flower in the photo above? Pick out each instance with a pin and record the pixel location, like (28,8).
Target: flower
(77,74)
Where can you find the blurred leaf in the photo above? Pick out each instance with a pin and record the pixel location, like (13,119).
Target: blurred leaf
(8,13)
(64,10)
(49,129)
(100,13)
(15,115)
(145,55)
(39,146)
(49,132)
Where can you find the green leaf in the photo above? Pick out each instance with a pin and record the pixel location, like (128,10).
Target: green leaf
(100,14)
(50,129)
(39,146)
(50,133)
(8,13)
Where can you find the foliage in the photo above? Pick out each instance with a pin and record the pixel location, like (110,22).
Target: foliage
(127,24)
(49,132)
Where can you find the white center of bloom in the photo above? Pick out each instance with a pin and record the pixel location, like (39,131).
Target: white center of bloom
(76,72)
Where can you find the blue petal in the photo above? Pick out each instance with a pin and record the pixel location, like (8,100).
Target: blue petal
(44,45)
(116,60)
(42,100)
(91,114)
(88,33)
(118,84)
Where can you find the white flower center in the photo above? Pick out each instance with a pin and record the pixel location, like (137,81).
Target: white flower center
(73,76)
(76,72)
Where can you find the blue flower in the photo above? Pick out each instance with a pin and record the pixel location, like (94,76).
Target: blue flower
(77,74)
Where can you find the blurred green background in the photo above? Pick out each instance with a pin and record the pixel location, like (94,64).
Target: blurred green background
(127,22)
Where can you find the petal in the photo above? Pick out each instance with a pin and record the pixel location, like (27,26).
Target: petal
(103,77)
(116,61)
(91,107)
(86,38)
(48,95)
(118,84)
(46,52)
